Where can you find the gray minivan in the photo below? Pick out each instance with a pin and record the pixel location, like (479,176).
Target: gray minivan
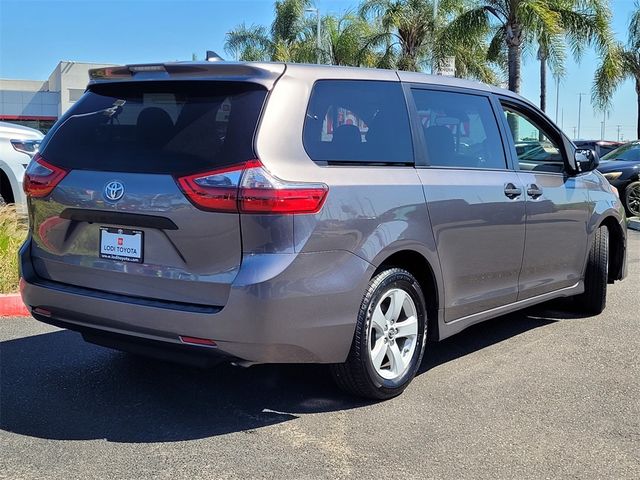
(272,213)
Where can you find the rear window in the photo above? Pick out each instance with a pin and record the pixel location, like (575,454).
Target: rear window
(358,122)
(158,127)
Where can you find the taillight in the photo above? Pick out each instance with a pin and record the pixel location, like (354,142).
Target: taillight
(206,342)
(40,177)
(216,191)
(250,188)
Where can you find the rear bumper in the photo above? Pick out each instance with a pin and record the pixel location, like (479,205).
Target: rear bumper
(283,308)
(161,350)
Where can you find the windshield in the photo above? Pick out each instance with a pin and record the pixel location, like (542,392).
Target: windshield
(629,152)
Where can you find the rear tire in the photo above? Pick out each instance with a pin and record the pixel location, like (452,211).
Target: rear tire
(632,199)
(389,340)
(594,298)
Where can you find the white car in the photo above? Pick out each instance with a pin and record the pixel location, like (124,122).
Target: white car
(17,145)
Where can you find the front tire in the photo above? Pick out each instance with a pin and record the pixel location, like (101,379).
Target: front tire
(594,298)
(389,340)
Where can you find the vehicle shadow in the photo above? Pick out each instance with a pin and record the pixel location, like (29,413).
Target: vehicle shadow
(55,386)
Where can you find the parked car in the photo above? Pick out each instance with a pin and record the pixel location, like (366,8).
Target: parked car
(622,168)
(601,147)
(17,145)
(272,213)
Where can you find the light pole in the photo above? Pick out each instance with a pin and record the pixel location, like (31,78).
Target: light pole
(434,66)
(557,97)
(579,111)
(317,12)
(604,125)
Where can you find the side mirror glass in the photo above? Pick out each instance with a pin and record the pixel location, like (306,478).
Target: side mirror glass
(586,160)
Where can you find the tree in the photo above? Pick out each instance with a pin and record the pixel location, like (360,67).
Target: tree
(411,38)
(520,24)
(406,25)
(620,64)
(344,41)
(287,39)
(293,38)
(582,23)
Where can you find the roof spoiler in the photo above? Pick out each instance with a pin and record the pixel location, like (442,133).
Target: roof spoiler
(262,73)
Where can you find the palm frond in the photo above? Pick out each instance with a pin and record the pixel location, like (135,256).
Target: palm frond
(248,43)
(609,75)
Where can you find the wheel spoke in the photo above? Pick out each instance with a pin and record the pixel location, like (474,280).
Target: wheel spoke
(407,328)
(378,353)
(393,332)
(395,306)
(633,200)
(378,320)
(398,362)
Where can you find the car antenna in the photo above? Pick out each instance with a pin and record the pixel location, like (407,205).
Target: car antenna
(212,56)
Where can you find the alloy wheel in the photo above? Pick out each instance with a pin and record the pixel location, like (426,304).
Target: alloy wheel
(393,334)
(633,200)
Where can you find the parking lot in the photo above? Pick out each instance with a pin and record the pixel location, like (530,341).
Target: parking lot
(537,394)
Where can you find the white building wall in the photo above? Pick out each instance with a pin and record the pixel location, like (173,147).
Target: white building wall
(47,99)
(71,79)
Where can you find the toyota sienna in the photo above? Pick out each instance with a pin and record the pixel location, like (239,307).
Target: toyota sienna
(278,213)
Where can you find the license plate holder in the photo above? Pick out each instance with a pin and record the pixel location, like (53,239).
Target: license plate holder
(121,244)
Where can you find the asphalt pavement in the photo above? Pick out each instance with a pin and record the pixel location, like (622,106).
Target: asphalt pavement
(542,393)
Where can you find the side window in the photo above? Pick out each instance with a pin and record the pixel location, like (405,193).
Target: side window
(460,130)
(534,147)
(358,122)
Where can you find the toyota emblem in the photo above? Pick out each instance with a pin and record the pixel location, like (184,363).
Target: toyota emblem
(113,191)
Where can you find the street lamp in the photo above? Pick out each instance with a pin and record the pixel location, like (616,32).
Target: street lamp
(557,96)
(317,12)
(579,111)
(434,64)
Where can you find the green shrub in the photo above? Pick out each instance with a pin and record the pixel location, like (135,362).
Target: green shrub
(13,230)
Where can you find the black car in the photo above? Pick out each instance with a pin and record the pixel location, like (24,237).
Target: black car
(622,168)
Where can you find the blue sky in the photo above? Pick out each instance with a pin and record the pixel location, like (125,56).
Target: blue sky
(36,34)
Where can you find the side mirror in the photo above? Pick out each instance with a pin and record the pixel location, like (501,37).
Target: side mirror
(586,160)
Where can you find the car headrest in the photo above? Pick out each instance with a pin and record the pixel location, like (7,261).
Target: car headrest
(154,126)
(440,144)
(346,136)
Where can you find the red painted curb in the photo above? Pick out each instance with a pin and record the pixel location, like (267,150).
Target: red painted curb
(11,306)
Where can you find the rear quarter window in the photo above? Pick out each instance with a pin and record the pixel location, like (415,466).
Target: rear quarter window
(358,122)
(158,127)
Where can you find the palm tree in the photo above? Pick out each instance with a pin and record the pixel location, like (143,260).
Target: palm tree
(293,38)
(411,38)
(582,23)
(618,65)
(344,41)
(519,24)
(286,40)
(407,25)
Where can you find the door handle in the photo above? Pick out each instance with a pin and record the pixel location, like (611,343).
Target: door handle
(534,191)
(511,191)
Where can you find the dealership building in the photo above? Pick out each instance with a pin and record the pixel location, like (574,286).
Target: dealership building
(39,103)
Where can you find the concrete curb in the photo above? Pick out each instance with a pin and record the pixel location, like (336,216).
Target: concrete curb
(634,223)
(11,306)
